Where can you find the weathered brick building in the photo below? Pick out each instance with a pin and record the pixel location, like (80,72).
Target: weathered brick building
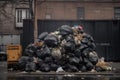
(9,20)
(77,9)
(11,15)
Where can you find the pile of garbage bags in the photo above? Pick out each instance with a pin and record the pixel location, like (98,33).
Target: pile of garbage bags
(67,49)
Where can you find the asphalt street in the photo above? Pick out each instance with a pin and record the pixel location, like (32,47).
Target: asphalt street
(3,70)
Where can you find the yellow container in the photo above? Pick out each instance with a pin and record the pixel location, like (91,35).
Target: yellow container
(14,52)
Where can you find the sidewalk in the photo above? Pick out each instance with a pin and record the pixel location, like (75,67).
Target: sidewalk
(115,72)
(115,65)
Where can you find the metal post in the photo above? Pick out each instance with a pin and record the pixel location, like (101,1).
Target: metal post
(35,21)
(32,10)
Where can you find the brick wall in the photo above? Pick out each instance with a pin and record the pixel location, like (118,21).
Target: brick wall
(68,10)
(7,24)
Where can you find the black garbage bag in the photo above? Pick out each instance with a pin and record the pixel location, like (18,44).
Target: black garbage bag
(30,66)
(70,39)
(93,57)
(70,68)
(39,63)
(53,67)
(30,50)
(74,60)
(99,69)
(42,36)
(43,52)
(22,62)
(86,52)
(83,46)
(84,40)
(81,31)
(89,37)
(45,67)
(39,53)
(64,60)
(81,60)
(70,54)
(51,41)
(88,64)
(83,68)
(69,47)
(23,59)
(65,30)
(85,60)
(91,45)
(78,52)
(48,60)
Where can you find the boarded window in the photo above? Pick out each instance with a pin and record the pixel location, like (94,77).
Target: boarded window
(80,13)
(20,15)
(117,13)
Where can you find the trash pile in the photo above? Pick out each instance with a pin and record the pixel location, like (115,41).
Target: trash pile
(67,49)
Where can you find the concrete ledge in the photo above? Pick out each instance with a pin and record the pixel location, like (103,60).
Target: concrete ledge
(18,74)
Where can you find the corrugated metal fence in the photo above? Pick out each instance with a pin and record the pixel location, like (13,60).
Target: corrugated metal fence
(28,32)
